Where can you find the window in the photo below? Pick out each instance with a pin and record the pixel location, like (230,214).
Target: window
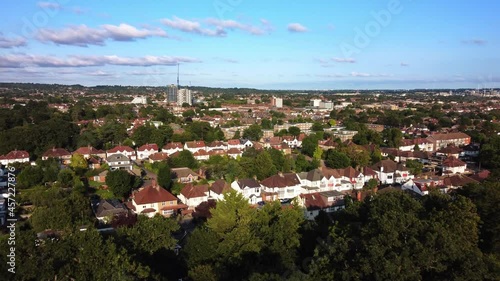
(144,206)
(257,190)
(168,212)
(171,203)
(163,203)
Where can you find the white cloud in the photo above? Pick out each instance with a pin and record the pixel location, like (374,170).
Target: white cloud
(218,27)
(296,27)
(49,5)
(344,60)
(192,27)
(24,60)
(404,64)
(7,43)
(84,36)
(478,42)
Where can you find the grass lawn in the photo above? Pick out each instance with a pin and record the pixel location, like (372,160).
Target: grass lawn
(105,194)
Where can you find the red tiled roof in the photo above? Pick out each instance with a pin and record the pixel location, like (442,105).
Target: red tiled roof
(56,152)
(121,148)
(191,191)
(153,194)
(281,180)
(148,146)
(88,150)
(453,162)
(448,136)
(195,144)
(220,186)
(158,156)
(16,154)
(233,142)
(173,145)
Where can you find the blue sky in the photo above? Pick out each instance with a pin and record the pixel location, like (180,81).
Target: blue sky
(372,44)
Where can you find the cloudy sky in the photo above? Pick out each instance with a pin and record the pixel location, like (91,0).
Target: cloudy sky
(393,44)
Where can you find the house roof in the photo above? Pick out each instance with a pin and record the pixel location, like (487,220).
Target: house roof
(84,150)
(233,142)
(16,154)
(328,172)
(448,136)
(107,207)
(313,175)
(173,145)
(153,194)
(148,146)
(251,183)
(121,148)
(195,144)
(220,186)
(183,172)
(191,191)
(388,166)
(281,180)
(349,172)
(453,162)
(451,149)
(158,156)
(457,180)
(319,200)
(117,157)
(56,152)
(234,150)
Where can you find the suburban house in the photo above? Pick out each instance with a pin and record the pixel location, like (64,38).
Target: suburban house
(88,151)
(235,143)
(201,154)
(146,150)
(250,188)
(217,189)
(314,181)
(101,177)
(409,144)
(124,150)
(443,140)
(192,195)
(158,157)
(172,148)
(57,153)
(234,153)
(327,201)
(281,186)
(94,162)
(216,145)
(184,175)
(389,172)
(119,161)
(471,150)
(456,181)
(14,156)
(153,199)
(453,165)
(106,209)
(194,146)
(449,151)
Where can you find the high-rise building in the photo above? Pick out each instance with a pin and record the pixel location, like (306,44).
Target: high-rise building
(184,96)
(277,102)
(172,93)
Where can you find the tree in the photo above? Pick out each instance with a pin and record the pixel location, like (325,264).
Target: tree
(336,159)
(30,176)
(184,159)
(142,135)
(318,152)
(414,166)
(66,177)
(254,132)
(120,182)
(371,184)
(78,163)
(294,131)
(164,176)
(309,144)
(264,166)
(317,127)
(149,235)
(278,158)
(393,137)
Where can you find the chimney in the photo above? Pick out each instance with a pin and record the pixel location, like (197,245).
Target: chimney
(358,195)
(155,184)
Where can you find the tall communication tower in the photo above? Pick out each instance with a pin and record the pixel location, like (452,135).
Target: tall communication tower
(177,76)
